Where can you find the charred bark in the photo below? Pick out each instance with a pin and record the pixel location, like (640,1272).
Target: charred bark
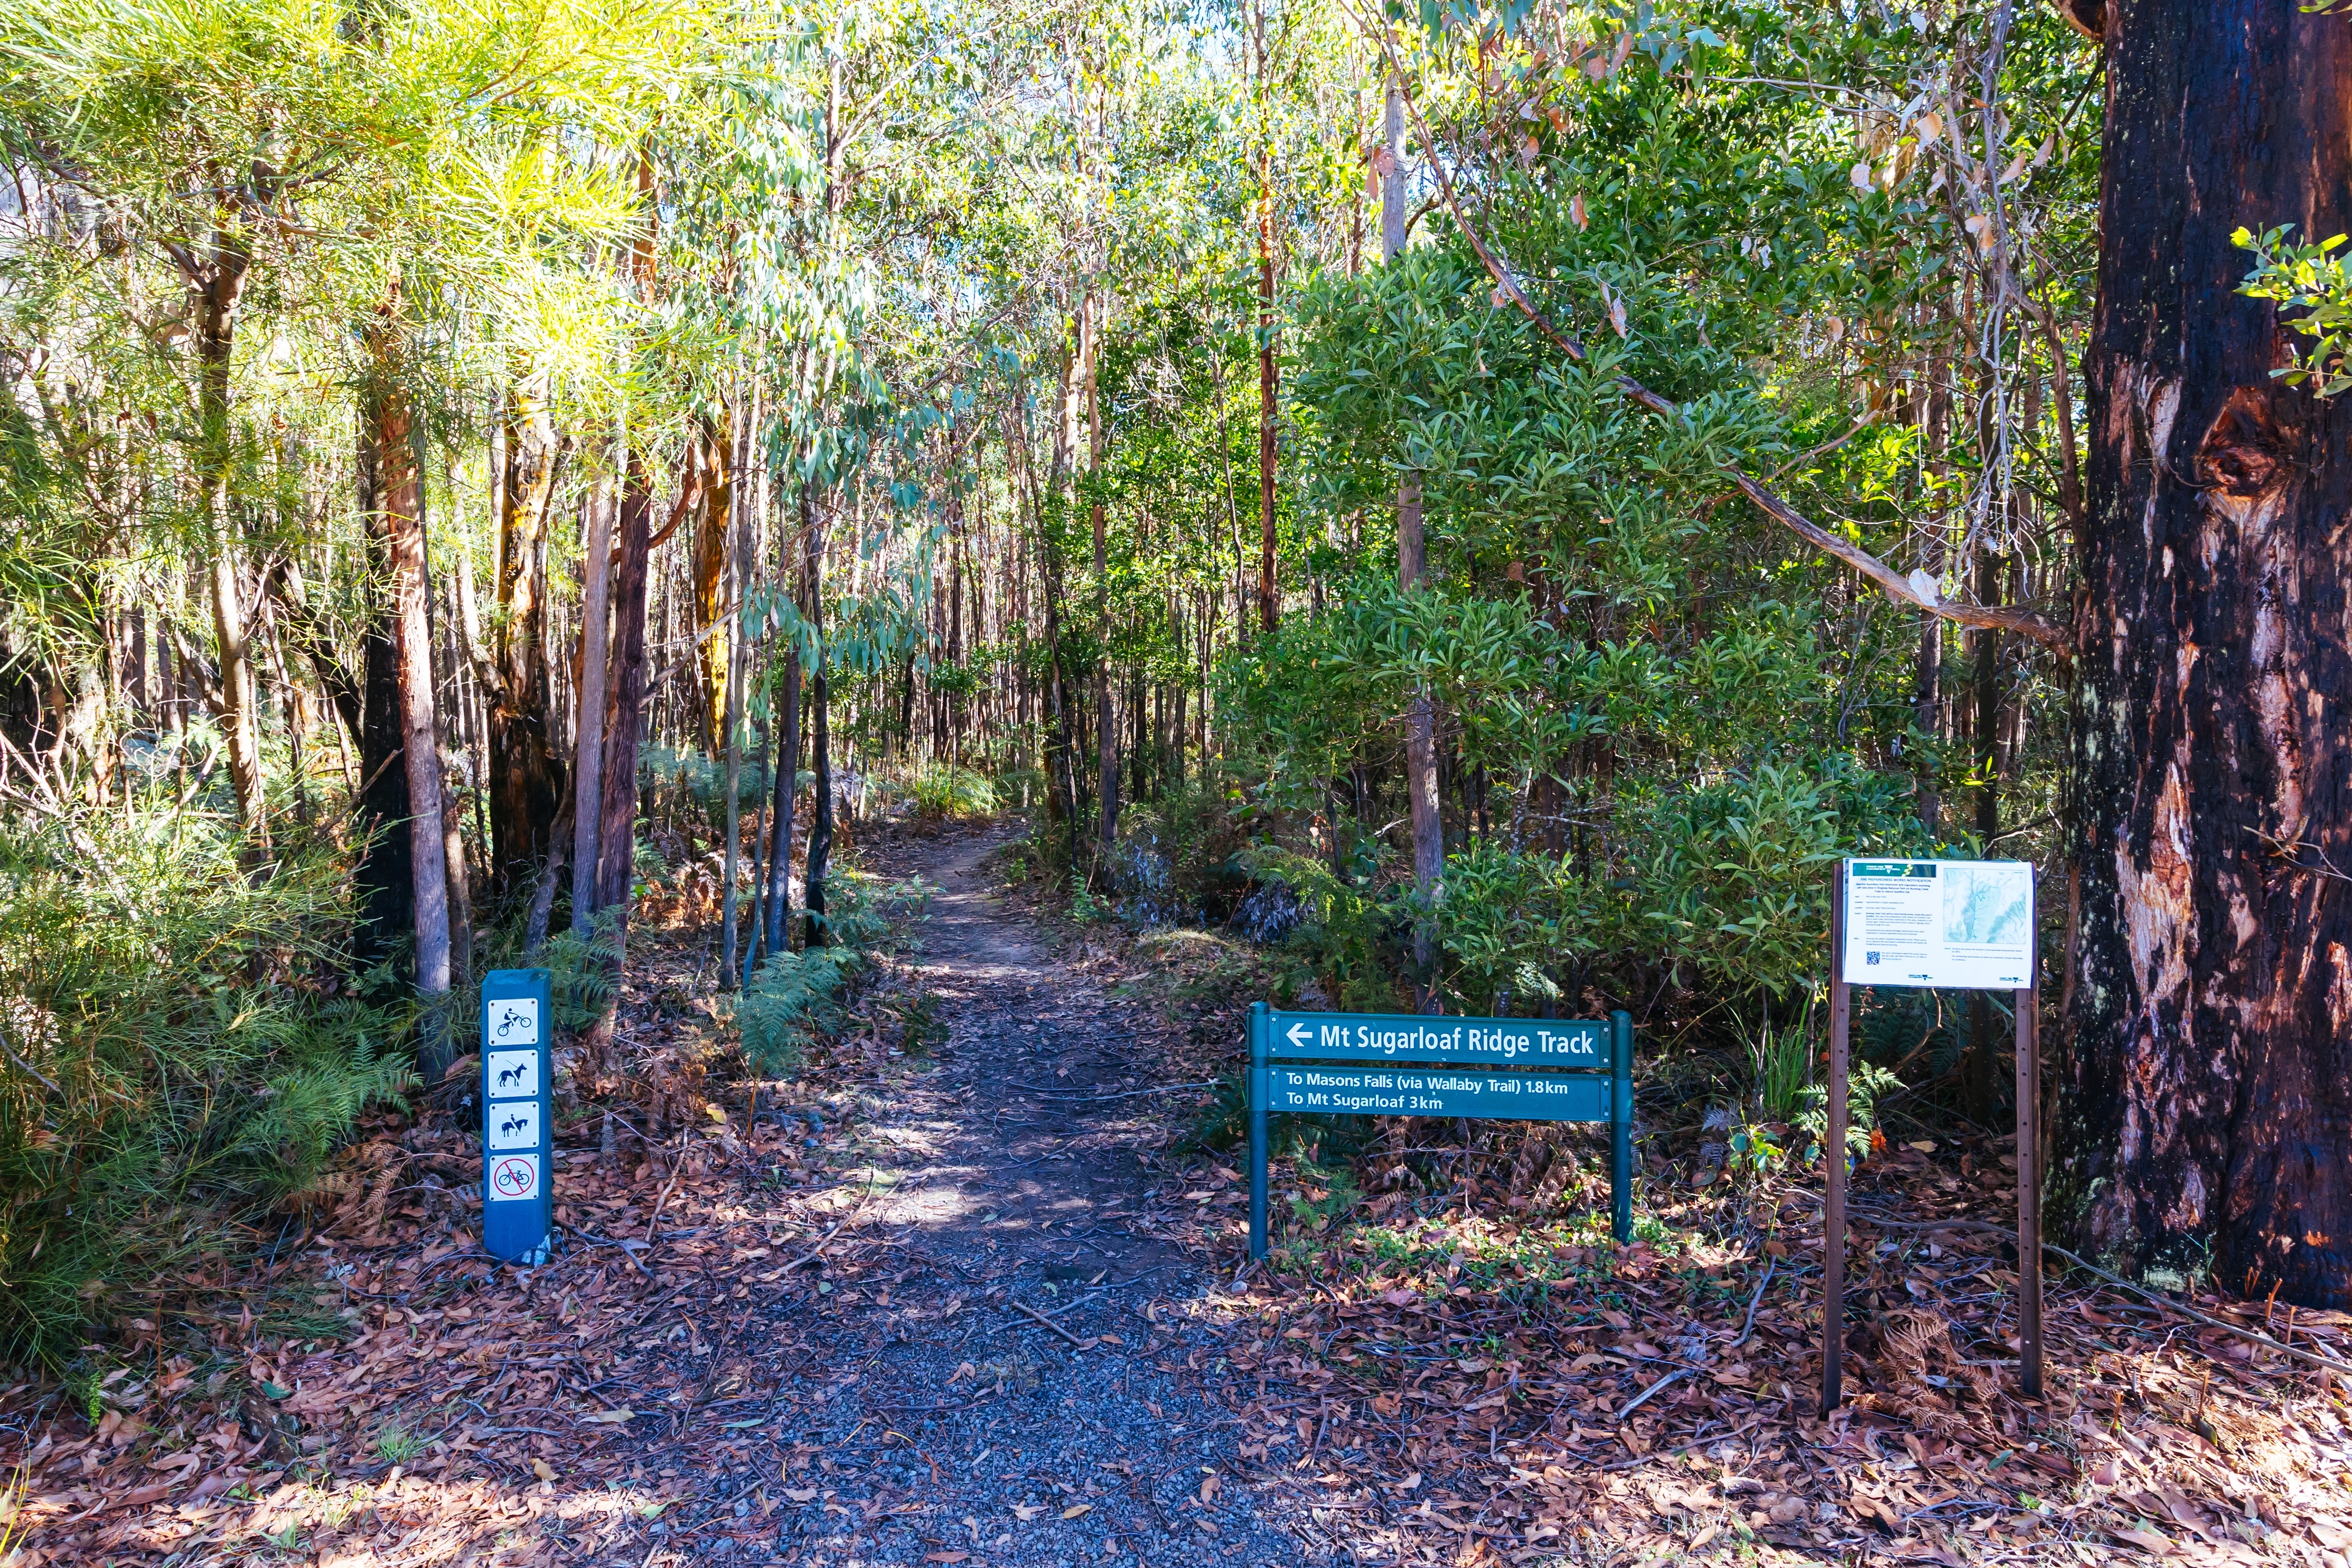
(625,712)
(387,894)
(2210,1094)
(526,774)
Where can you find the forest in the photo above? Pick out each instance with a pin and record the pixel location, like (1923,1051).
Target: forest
(1484,505)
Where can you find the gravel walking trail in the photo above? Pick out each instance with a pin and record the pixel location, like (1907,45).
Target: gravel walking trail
(1034,1353)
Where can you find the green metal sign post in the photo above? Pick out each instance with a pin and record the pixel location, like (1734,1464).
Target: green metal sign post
(1393,1064)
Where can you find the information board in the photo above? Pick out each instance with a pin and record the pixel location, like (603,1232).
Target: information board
(1967,924)
(518,1143)
(1403,1064)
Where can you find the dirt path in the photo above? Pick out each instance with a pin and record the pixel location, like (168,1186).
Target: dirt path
(1007,1179)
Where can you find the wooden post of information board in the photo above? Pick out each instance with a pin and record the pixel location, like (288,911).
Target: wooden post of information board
(2029,1185)
(1833,1201)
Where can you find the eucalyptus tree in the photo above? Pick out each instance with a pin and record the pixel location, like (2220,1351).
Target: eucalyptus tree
(2207,993)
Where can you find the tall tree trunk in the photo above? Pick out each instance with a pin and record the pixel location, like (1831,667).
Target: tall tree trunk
(1980,1073)
(625,713)
(385,879)
(710,536)
(787,790)
(1090,326)
(739,579)
(218,287)
(1265,377)
(588,746)
(820,842)
(392,423)
(1927,669)
(2210,1085)
(526,784)
(1412,572)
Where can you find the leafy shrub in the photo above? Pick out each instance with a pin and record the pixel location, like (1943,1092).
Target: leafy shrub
(797,997)
(1345,929)
(1788,1092)
(180,1055)
(1509,923)
(947,791)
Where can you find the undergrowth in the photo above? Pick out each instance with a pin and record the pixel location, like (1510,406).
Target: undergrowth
(798,996)
(181,1053)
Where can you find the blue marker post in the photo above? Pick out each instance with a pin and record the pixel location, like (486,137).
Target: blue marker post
(517,1115)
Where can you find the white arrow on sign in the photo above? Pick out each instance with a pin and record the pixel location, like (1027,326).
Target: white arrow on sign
(1296,1034)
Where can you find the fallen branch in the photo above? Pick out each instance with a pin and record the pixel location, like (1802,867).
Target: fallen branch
(1127,1094)
(626,1249)
(1919,593)
(810,1256)
(1643,1397)
(1753,1303)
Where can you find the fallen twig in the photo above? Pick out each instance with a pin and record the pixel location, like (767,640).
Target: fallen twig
(1642,1399)
(1124,1094)
(1045,1321)
(1753,1303)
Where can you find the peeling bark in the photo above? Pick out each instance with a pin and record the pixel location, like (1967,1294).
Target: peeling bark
(2209,1105)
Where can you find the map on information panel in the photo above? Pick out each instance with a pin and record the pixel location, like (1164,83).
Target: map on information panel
(1963,923)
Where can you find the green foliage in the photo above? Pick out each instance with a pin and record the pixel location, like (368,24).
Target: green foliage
(796,997)
(1514,923)
(396,1444)
(1782,1061)
(181,1057)
(1866,1083)
(947,791)
(2316,280)
(1345,930)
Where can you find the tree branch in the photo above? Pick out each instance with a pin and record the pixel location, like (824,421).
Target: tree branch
(1919,593)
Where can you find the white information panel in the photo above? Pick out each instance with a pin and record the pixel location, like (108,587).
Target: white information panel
(512,1125)
(1962,923)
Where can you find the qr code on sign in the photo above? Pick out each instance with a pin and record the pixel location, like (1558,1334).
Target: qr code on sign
(1869,957)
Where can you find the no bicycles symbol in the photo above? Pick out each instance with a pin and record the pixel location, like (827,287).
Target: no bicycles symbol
(515,1177)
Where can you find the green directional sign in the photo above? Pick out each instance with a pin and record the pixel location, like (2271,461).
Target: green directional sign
(1401,1064)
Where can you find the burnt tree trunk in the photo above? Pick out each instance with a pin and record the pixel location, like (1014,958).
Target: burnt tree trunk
(2210,1087)
(384,876)
(625,701)
(526,773)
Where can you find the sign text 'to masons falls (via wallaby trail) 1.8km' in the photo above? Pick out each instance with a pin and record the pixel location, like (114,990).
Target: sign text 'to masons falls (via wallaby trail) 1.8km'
(1383,1064)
